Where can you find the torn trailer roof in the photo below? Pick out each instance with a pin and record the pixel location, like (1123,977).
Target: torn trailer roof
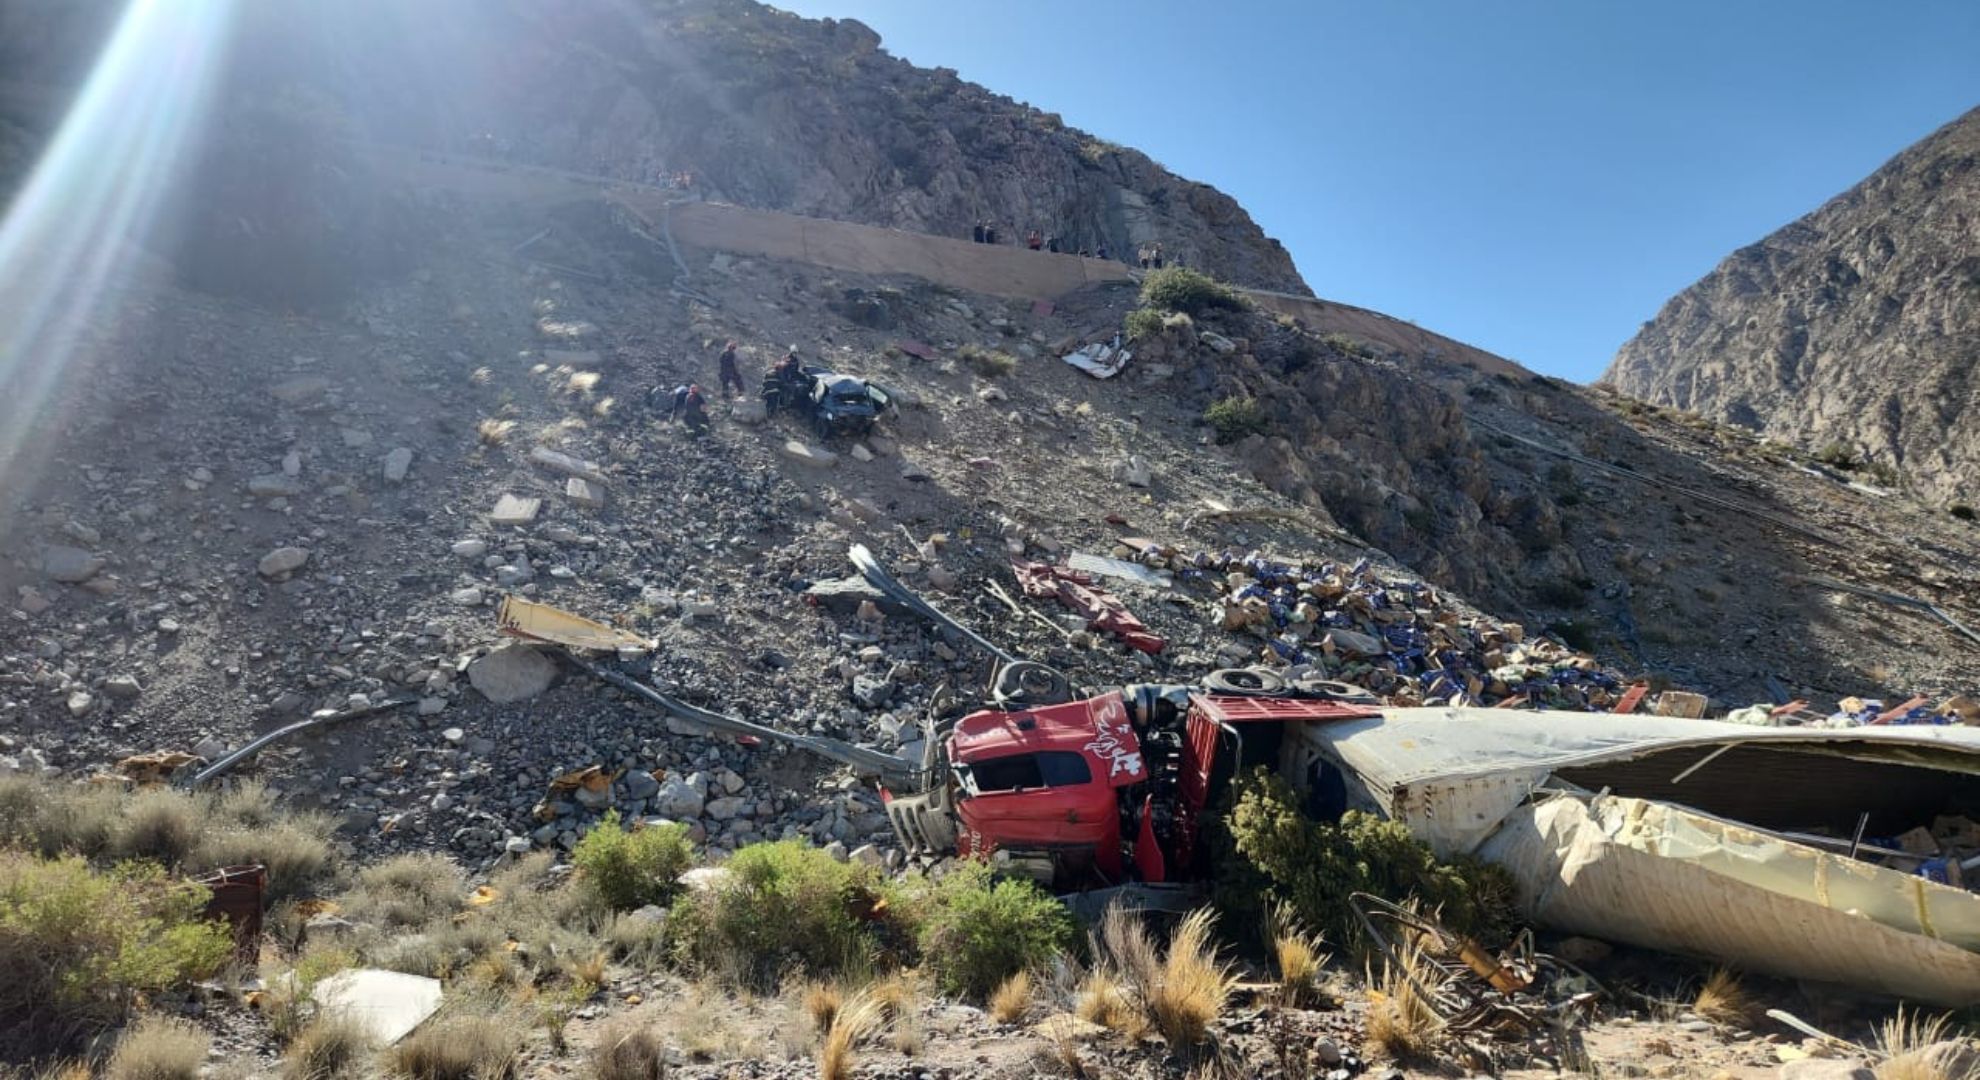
(1696,836)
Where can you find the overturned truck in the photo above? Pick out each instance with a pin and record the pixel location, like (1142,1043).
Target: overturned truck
(1835,855)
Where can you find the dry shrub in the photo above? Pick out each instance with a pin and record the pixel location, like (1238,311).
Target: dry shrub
(332,1046)
(493,432)
(159,1048)
(1125,947)
(159,824)
(407,891)
(629,1050)
(1299,957)
(295,849)
(1916,1047)
(860,1016)
(1012,999)
(1105,1001)
(1194,986)
(1723,1000)
(587,971)
(1402,1023)
(464,1046)
(821,1001)
(702,1026)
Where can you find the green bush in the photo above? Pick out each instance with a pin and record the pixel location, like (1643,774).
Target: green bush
(1142,323)
(1837,455)
(1177,288)
(1233,418)
(786,905)
(628,870)
(977,931)
(1342,343)
(78,945)
(1282,856)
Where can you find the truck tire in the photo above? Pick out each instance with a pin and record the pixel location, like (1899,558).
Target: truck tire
(1028,685)
(1244,682)
(1332,690)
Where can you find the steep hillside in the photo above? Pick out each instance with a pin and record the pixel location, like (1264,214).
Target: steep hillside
(761,107)
(1857,326)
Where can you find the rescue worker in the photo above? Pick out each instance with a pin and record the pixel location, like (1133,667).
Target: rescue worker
(727,373)
(976,234)
(690,407)
(1034,241)
(783,384)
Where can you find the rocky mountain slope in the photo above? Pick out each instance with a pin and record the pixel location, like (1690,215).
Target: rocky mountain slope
(1857,326)
(761,107)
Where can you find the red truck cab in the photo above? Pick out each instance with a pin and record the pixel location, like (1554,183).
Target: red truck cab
(1101,791)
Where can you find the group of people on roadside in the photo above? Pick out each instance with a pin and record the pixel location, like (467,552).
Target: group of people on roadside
(985,232)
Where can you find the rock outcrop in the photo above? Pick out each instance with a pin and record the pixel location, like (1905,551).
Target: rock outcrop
(1857,325)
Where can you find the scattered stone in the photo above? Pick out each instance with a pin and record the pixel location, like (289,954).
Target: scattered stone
(431,706)
(640,784)
(911,471)
(584,492)
(806,454)
(679,798)
(861,453)
(1826,1069)
(872,691)
(122,687)
(512,673)
(283,560)
(513,509)
(518,846)
(32,600)
(70,565)
(273,486)
(470,549)
(750,411)
(397,463)
(79,703)
(467,597)
(292,463)
(868,854)
(566,464)
(1134,472)
(725,808)
(300,390)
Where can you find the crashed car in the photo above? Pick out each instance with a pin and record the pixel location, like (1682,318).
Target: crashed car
(835,403)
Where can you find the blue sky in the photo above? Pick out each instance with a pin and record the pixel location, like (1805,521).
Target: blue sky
(1533,178)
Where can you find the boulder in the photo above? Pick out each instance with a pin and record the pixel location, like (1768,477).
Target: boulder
(1134,471)
(511,673)
(585,493)
(724,808)
(397,463)
(283,560)
(679,799)
(514,510)
(67,564)
(122,687)
(805,453)
(749,411)
(640,784)
(273,486)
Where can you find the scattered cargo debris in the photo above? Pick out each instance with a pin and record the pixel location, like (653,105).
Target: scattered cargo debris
(155,767)
(1100,608)
(388,1005)
(322,718)
(1101,359)
(545,624)
(237,898)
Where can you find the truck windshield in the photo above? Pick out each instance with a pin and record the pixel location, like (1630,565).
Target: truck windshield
(1046,768)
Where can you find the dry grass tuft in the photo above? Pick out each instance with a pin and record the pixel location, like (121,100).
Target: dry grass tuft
(1012,1000)
(1064,1053)
(460,1047)
(1125,946)
(1194,986)
(581,383)
(1104,1000)
(1916,1047)
(587,972)
(897,995)
(629,1050)
(331,1047)
(822,1002)
(1402,1024)
(1722,1000)
(159,1048)
(1299,958)
(858,1018)
(493,432)
(160,824)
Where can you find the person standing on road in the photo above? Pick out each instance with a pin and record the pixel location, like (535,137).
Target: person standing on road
(727,373)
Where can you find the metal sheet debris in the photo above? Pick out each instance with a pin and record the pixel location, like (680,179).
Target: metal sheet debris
(1102,360)
(1118,568)
(387,1004)
(531,621)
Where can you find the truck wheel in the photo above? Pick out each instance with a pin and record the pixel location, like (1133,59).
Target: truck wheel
(1027,684)
(1244,682)
(1333,690)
